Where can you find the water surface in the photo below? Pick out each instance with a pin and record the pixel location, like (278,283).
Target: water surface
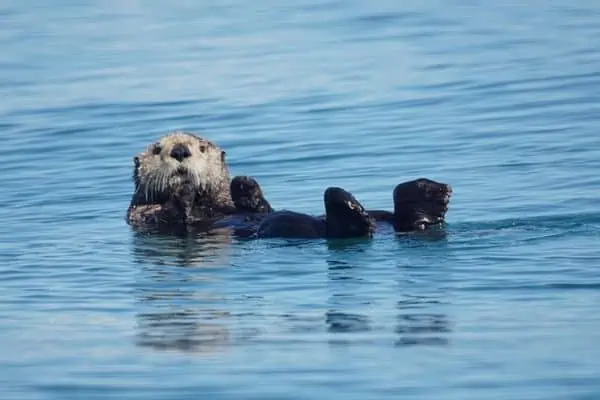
(499,100)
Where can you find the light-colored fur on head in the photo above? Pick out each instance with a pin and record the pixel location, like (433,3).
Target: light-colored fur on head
(158,175)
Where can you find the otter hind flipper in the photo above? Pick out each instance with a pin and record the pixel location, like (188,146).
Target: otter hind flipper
(345,216)
(420,203)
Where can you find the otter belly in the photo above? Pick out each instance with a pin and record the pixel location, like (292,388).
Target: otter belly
(290,224)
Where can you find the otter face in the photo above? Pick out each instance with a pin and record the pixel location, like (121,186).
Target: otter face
(176,159)
(346,217)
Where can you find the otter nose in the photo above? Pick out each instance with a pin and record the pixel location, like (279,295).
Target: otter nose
(180,151)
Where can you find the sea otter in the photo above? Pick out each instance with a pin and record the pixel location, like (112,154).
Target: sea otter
(183,181)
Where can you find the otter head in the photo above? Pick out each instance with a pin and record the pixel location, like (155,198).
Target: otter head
(345,216)
(180,159)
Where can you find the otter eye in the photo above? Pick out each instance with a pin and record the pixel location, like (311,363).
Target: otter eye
(202,148)
(156,150)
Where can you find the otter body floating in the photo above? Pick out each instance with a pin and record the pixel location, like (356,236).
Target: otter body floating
(182,183)
(418,204)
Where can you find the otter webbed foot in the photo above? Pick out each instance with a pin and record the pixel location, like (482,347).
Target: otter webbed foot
(345,216)
(420,203)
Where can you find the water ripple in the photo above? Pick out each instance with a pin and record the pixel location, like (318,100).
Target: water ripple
(497,99)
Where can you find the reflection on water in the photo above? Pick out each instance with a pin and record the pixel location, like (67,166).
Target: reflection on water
(420,318)
(201,249)
(420,322)
(178,311)
(338,322)
(183,330)
(184,305)
(434,233)
(499,99)
(344,278)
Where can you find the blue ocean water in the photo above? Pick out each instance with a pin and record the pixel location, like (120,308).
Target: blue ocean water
(499,99)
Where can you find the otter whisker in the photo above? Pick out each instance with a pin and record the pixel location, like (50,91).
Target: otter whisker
(146,193)
(147,190)
(153,188)
(196,179)
(164,181)
(161,184)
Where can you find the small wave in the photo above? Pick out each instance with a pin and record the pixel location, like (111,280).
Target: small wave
(536,223)
(532,287)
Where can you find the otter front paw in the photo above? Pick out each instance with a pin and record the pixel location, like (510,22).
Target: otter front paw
(182,202)
(184,199)
(248,196)
(185,195)
(144,216)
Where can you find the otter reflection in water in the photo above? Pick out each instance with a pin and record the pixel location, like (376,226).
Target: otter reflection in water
(418,319)
(177,312)
(346,299)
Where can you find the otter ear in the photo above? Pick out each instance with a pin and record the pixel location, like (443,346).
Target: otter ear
(136,162)
(223,155)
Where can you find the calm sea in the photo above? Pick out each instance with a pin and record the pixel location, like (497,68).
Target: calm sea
(499,99)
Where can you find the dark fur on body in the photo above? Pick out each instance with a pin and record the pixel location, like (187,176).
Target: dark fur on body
(418,204)
(344,218)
